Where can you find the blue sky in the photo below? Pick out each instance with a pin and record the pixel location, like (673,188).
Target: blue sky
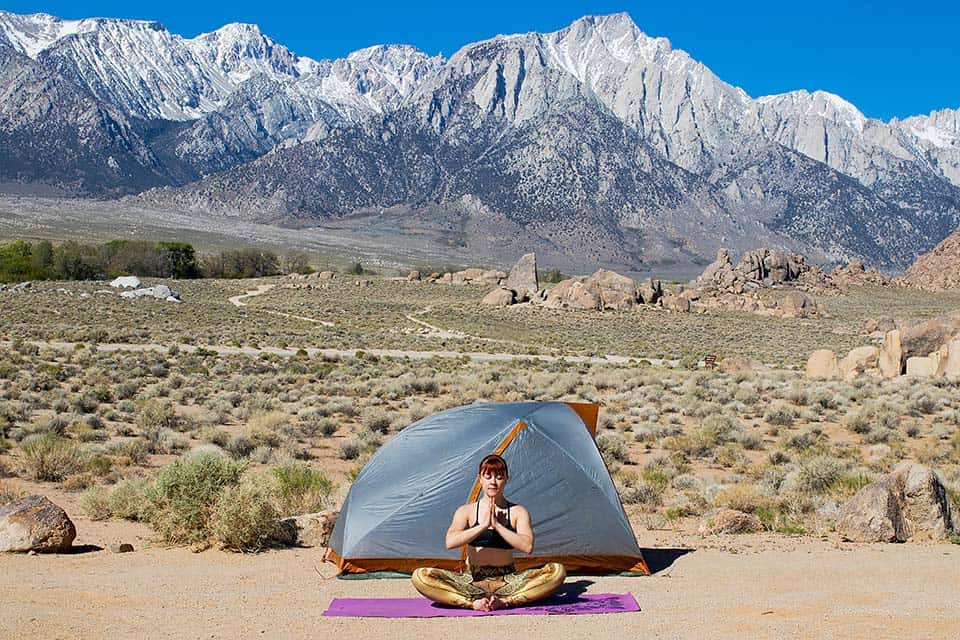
(888,58)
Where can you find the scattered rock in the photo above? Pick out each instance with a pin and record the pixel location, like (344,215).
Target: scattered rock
(499,297)
(126,282)
(413,276)
(651,291)
(33,523)
(728,521)
(939,269)
(922,367)
(121,547)
(797,304)
(862,360)
(891,355)
(679,303)
(822,363)
(909,504)
(573,293)
(872,515)
(160,291)
(523,277)
(308,530)
(927,337)
(950,366)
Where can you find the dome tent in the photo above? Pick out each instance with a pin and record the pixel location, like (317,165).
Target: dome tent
(400,505)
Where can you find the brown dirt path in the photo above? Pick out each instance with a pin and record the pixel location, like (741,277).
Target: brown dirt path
(742,587)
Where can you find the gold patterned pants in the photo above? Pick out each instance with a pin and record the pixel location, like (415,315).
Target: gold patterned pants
(512,587)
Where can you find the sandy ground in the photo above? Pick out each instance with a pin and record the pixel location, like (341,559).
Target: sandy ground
(755,586)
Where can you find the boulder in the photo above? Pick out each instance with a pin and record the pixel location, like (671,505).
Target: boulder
(872,515)
(678,303)
(125,282)
(492,276)
(797,304)
(160,291)
(572,293)
(822,363)
(615,291)
(925,505)
(722,263)
(326,275)
(726,521)
(925,338)
(499,297)
(473,274)
(950,366)
(523,277)
(308,530)
(862,360)
(908,504)
(777,266)
(413,276)
(446,278)
(923,367)
(891,355)
(34,523)
(650,291)
(602,290)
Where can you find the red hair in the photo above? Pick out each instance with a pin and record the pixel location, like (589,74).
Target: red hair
(493,464)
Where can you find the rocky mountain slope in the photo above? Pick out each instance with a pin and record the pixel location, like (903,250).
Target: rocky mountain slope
(939,269)
(596,139)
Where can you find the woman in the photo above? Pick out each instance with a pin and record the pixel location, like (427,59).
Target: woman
(492,528)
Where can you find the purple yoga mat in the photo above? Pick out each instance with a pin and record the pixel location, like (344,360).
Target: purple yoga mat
(570,605)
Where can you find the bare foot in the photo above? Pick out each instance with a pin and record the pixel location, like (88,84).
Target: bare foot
(497,603)
(481,604)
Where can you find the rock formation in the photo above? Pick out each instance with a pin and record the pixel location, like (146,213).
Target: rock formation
(523,280)
(34,523)
(909,504)
(939,269)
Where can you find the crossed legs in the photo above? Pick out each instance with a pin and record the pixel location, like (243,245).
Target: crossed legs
(508,590)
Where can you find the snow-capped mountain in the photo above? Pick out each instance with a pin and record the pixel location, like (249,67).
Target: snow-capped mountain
(520,124)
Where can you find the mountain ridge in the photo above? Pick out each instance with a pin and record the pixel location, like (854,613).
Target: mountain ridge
(209,121)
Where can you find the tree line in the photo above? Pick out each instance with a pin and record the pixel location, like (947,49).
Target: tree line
(42,260)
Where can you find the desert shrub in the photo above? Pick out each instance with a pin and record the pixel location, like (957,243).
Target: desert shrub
(8,494)
(185,493)
(377,420)
(644,489)
(780,414)
(720,428)
(350,449)
(48,457)
(244,517)
(746,394)
(96,504)
(153,420)
(240,446)
(742,497)
(136,451)
(268,421)
(924,403)
(613,448)
(261,454)
(873,416)
(819,474)
(369,440)
(301,489)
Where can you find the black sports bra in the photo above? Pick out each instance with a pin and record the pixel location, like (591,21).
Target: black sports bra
(491,537)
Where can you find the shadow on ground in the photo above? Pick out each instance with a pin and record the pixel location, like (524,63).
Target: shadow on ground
(83,548)
(661,559)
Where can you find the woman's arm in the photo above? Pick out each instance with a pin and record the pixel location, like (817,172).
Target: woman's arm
(522,538)
(460,531)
